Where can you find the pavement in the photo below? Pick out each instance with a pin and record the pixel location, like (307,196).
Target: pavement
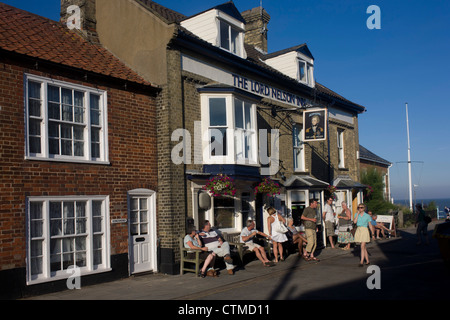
(399,270)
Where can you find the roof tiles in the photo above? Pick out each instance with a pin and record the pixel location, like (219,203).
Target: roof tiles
(25,33)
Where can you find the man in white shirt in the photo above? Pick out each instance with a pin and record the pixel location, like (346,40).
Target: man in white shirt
(329,218)
(247,235)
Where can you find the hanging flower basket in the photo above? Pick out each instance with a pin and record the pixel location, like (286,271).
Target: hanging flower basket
(220,185)
(268,187)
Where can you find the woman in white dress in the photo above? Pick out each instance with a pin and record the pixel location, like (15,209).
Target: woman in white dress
(277,238)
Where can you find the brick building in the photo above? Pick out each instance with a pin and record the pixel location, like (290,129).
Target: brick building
(222,94)
(78,158)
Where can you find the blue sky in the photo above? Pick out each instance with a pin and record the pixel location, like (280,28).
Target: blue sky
(407,60)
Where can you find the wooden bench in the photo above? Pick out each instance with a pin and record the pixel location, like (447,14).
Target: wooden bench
(234,240)
(197,261)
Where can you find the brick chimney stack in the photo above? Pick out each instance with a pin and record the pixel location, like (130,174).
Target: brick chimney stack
(256,30)
(84,20)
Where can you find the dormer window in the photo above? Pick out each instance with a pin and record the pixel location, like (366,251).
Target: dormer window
(222,26)
(304,72)
(296,62)
(230,38)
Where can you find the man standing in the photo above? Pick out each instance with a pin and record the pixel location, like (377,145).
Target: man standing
(329,218)
(247,235)
(214,243)
(309,218)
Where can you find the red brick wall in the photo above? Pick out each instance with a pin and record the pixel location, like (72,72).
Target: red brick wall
(132,156)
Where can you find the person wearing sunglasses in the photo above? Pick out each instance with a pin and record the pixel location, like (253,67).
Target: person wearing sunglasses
(362,235)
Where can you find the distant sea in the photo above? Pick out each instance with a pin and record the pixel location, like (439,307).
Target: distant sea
(440,203)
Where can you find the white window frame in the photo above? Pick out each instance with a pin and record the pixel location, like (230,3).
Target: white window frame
(239,224)
(299,148)
(238,40)
(44,119)
(340,147)
(304,64)
(308,71)
(47,275)
(232,132)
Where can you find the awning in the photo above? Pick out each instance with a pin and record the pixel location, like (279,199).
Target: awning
(345,182)
(305,181)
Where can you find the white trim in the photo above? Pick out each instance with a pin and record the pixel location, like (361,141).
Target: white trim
(230,157)
(90,268)
(152,229)
(44,124)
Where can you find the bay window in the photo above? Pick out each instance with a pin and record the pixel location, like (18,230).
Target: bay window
(229,127)
(299,152)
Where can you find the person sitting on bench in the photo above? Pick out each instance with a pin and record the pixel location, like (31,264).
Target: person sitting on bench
(247,235)
(192,241)
(215,243)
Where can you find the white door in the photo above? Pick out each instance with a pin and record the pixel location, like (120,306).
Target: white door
(142,233)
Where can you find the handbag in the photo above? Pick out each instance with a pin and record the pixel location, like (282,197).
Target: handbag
(280,227)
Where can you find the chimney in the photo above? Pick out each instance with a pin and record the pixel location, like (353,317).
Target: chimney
(80,15)
(256,20)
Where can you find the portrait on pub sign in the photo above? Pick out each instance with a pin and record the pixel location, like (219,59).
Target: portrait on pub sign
(315,124)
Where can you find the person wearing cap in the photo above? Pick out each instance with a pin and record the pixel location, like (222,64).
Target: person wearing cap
(309,218)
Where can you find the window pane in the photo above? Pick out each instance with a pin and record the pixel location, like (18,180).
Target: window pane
(53,146)
(248,116)
(302,71)
(34,107)
(95,109)
(224,35)
(67,113)
(97,208)
(218,142)
(224,212)
(35,145)
(238,114)
(235,41)
(217,112)
(66,96)
(34,90)
(54,111)
(53,94)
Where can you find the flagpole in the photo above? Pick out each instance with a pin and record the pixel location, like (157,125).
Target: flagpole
(409,162)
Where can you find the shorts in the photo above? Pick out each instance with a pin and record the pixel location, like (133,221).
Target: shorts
(252,246)
(330,228)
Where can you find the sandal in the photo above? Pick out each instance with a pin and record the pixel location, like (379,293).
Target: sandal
(314,259)
(307,258)
(202,274)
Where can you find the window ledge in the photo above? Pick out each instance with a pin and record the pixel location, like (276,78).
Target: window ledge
(28,158)
(66,276)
